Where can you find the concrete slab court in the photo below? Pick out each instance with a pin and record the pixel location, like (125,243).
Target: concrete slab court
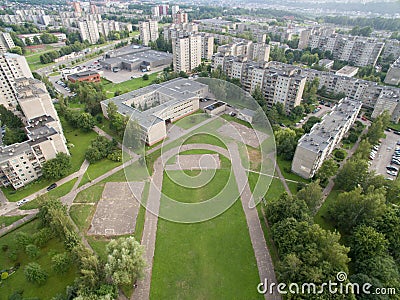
(117,209)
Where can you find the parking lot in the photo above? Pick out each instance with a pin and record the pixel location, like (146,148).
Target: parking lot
(384,154)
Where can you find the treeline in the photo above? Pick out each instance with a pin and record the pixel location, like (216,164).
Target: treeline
(376,23)
(49,57)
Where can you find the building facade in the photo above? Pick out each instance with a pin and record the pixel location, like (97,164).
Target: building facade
(148,31)
(186,53)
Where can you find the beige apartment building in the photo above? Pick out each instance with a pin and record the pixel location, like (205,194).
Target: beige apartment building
(6,42)
(148,31)
(155,106)
(89,31)
(314,147)
(187,52)
(12,67)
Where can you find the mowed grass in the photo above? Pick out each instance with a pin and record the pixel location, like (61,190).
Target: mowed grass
(192,120)
(56,193)
(82,214)
(78,141)
(322,218)
(202,138)
(127,86)
(209,260)
(97,169)
(55,283)
(285,167)
(90,195)
(8,220)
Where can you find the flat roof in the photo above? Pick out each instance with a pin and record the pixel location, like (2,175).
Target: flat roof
(322,133)
(347,71)
(178,90)
(83,74)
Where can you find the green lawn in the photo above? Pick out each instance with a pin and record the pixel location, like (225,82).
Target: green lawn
(99,245)
(127,86)
(97,169)
(55,283)
(15,195)
(139,226)
(202,138)
(213,259)
(58,192)
(90,195)
(8,220)
(82,214)
(192,120)
(78,142)
(395,126)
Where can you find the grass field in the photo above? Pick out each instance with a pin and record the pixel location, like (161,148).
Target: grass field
(322,217)
(127,86)
(90,195)
(285,167)
(81,215)
(8,220)
(97,169)
(192,120)
(202,138)
(55,283)
(57,193)
(79,141)
(208,260)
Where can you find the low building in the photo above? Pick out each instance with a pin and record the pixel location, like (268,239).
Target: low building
(158,104)
(86,76)
(215,108)
(314,147)
(136,58)
(347,71)
(326,63)
(69,71)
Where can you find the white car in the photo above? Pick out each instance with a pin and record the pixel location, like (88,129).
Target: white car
(393,173)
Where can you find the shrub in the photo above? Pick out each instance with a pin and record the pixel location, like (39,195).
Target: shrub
(4,275)
(4,247)
(34,273)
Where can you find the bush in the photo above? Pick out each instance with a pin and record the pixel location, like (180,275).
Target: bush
(4,275)
(116,155)
(35,274)
(4,247)
(61,262)
(340,154)
(32,251)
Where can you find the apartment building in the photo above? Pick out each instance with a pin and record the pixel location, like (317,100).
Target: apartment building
(21,163)
(179,30)
(6,42)
(207,46)
(253,51)
(89,31)
(158,104)
(12,67)
(388,101)
(361,51)
(148,31)
(186,52)
(105,27)
(392,49)
(314,148)
(180,17)
(278,85)
(61,37)
(393,74)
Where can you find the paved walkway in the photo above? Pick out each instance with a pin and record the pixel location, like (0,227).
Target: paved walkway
(263,258)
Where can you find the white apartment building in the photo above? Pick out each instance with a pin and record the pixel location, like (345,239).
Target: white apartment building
(105,27)
(186,53)
(6,42)
(12,67)
(207,46)
(148,31)
(393,74)
(89,31)
(314,148)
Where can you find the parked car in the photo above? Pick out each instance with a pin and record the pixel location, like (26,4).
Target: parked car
(392,168)
(232,114)
(51,186)
(393,173)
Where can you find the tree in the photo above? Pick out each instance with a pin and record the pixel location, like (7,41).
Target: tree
(17,50)
(35,274)
(310,123)
(61,262)
(286,207)
(125,262)
(353,173)
(86,122)
(355,207)
(286,142)
(32,251)
(367,243)
(57,167)
(297,111)
(311,195)
(328,168)
(145,77)
(363,150)
(376,130)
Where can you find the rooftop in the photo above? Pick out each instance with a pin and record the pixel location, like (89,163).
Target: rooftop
(177,90)
(83,74)
(323,133)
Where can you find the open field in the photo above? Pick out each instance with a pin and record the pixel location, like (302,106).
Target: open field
(126,86)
